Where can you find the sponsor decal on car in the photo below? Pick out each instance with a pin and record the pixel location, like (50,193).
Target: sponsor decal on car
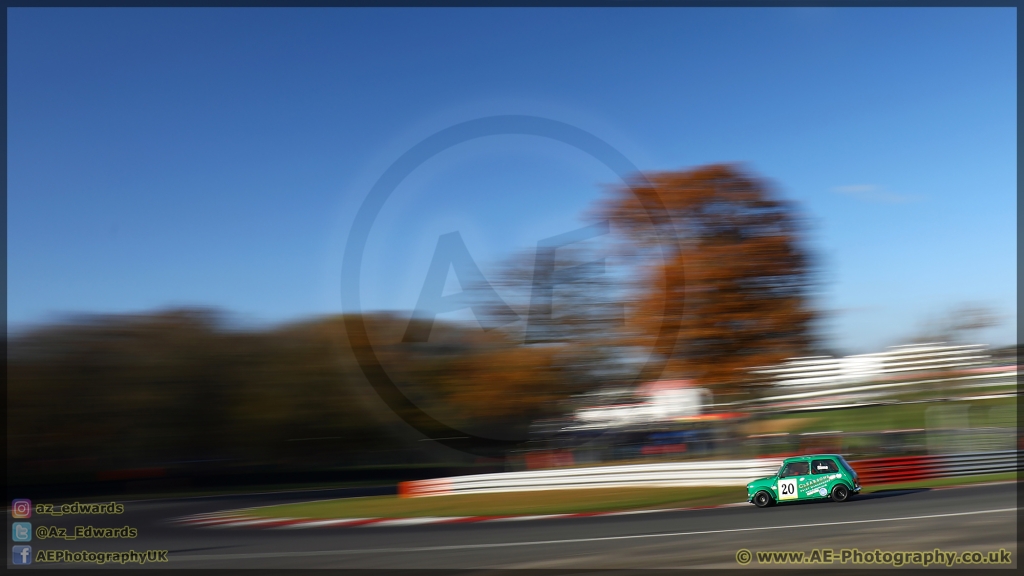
(816,485)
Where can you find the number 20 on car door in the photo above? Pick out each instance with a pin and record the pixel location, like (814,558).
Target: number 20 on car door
(787,489)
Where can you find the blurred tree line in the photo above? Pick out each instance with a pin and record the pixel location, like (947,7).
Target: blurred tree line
(721,263)
(182,392)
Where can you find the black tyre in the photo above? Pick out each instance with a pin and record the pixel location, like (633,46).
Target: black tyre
(840,493)
(763,499)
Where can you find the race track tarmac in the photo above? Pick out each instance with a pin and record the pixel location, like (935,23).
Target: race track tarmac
(978,518)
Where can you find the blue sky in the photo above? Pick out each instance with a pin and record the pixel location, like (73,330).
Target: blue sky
(217,157)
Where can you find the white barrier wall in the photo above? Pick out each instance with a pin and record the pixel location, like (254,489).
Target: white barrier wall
(671,474)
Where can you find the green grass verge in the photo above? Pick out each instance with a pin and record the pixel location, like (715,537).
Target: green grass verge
(898,416)
(550,501)
(507,504)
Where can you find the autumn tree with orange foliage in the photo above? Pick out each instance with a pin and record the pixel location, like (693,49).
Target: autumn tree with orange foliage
(734,270)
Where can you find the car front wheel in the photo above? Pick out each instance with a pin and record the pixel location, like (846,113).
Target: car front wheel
(840,493)
(762,499)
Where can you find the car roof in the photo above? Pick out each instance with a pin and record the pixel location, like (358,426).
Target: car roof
(810,457)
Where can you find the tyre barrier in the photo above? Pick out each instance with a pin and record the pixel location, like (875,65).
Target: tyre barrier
(911,468)
(898,469)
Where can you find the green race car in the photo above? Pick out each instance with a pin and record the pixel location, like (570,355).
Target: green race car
(814,477)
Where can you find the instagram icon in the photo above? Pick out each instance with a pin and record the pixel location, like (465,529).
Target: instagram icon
(21,508)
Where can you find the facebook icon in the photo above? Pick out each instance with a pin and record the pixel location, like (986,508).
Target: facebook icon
(21,555)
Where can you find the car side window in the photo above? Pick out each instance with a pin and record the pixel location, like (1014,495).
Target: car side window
(794,469)
(824,467)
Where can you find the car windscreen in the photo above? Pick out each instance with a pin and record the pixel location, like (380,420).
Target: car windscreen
(795,469)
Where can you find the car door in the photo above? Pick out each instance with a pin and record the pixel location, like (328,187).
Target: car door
(823,472)
(792,475)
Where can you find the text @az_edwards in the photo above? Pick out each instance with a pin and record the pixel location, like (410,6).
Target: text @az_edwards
(77,508)
(84,532)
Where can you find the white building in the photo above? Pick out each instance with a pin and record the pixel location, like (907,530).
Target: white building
(660,401)
(825,371)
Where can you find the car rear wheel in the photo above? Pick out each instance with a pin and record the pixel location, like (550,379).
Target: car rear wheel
(840,493)
(762,499)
